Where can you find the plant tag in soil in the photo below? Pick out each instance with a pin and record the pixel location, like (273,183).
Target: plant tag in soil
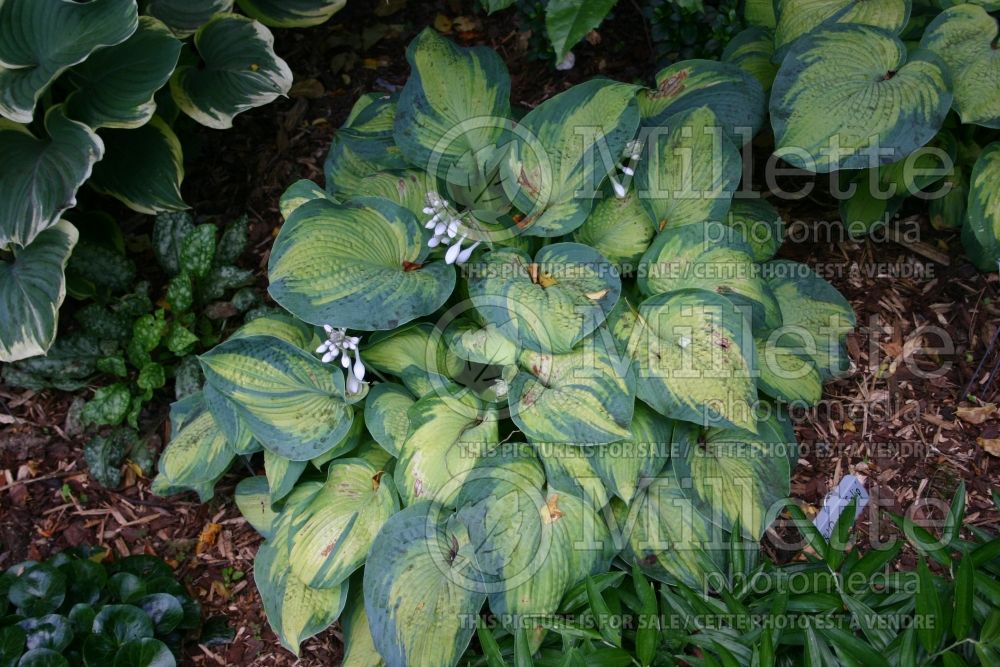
(837,501)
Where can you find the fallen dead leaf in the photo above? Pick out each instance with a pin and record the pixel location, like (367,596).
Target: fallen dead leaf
(442,24)
(977,414)
(206,539)
(991,445)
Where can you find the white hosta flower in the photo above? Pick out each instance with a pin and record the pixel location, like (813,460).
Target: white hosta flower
(684,341)
(445,226)
(339,345)
(630,156)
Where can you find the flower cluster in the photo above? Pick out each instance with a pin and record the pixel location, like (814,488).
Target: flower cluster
(445,225)
(339,345)
(627,166)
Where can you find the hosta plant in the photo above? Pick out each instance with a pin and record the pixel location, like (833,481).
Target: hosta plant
(89,94)
(515,355)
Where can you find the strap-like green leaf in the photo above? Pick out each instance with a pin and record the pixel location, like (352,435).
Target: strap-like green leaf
(568,21)
(291,13)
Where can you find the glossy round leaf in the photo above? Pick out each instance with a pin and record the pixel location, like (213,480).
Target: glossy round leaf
(291,13)
(145,652)
(123,623)
(163,609)
(42,657)
(981,232)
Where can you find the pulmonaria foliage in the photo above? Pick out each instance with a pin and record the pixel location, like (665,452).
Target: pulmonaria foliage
(603,380)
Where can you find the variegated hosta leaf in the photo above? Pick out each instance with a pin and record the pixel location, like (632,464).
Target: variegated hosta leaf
(407,188)
(291,13)
(847,90)
(359,649)
(228,417)
(816,317)
(364,145)
(454,105)
(240,72)
(292,403)
(690,170)
(419,607)
(253,499)
(39,177)
(787,373)
(184,17)
(280,326)
(694,357)
(583,397)
(666,536)
(760,13)
(709,256)
(865,210)
(965,37)
(32,287)
(39,39)
(416,354)
(299,193)
(618,229)
(563,149)
(549,304)
(735,97)
(760,224)
(281,474)
(331,536)
(481,344)
(948,211)
(386,415)
(736,476)
(115,86)
(800,17)
(570,469)
(194,460)
(628,466)
(143,168)
(752,51)
(449,432)
(981,232)
(360,265)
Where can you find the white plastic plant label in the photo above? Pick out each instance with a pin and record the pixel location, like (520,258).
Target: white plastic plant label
(837,501)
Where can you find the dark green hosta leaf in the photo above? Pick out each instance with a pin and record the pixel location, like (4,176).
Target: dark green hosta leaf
(115,86)
(39,177)
(840,87)
(361,265)
(105,454)
(197,251)
(620,229)
(965,37)
(752,50)
(40,39)
(626,467)
(196,457)
(291,13)
(386,415)
(40,589)
(184,17)
(454,105)
(292,403)
(796,19)
(548,304)
(733,95)
(240,71)
(32,287)
(981,233)
(233,426)
(108,406)
(563,149)
(169,232)
(143,168)
(568,21)
(145,652)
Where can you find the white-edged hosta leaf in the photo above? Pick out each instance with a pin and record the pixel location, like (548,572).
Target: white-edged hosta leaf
(39,177)
(292,403)
(760,224)
(694,357)
(628,466)
(360,265)
(583,397)
(142,168)
(797,18)
(733,95)
(981,232)
(620,229)
(32,287)
(548,304)
(299,193)
(115,86)
(752,50)
(194,460)
(281,474)
(39,39)
(240,72)
(331,536)
(454,105)
(386,415)
(569,21)
(965,37)
(563,149)
(184,17)
(291,13)
(690,170)
(843,88)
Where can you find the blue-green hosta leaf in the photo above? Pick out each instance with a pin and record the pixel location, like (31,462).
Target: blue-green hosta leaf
(816,317)
(626,467)
(570,468)
(283,327)
(418,609)
(291,13)
(359,649)
(184,17)
(846,89)
(240,72)
(690,172)
(416,354)
(736,476)
(39,177)
(454,105)
(752,50)
(549,304)
(583,397)
(32,287)
(292,403)
(331,536)
(760,224)
(253,499)
(568,21)
(800,17)
(965,37)
(39,39)
(981,232)
(115,86)
(143,168)
(386,415)
(363,145)
(197,456)
(733,95)
(786,373)
(563,149)
(694,357)
(709,256)
(299,193)
(359,265)
(618,229)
